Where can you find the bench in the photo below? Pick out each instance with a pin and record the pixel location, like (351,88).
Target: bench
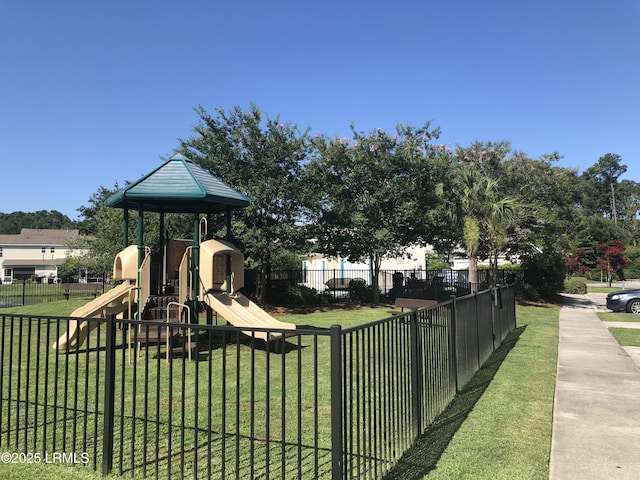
(88,288)
(411,304)
(341,283)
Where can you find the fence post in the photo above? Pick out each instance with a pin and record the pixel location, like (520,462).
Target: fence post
(336,402)
(512,303)
(24,291)
(416,374)
(495,320)
(477,309)
(109,393)
(453,353)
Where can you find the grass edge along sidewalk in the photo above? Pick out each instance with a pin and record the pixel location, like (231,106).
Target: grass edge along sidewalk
(499,426)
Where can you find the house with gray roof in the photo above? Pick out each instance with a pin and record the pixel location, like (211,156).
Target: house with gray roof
(34,253)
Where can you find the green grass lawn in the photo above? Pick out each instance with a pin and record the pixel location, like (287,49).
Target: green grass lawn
(499,426)
(627,337)
(618,317)
(601,289)
(41,471)
(194,389)
(36,294)
(59,307)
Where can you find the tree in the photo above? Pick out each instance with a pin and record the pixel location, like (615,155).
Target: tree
(601,182)
(633,269)
(482,209)
(575,262)
(264,159)
(596,229)
(628,201)
(548,196)
(90,213)
(612,259)
(376,193)
(80,254)
(102,229)
(13,223)
(544,271)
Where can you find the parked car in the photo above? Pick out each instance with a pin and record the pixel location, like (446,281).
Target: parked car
(624,301)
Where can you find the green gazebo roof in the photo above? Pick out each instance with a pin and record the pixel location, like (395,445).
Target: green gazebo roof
(178,186)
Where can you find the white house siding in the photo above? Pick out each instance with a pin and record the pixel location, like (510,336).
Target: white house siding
(320,268)
(38,252)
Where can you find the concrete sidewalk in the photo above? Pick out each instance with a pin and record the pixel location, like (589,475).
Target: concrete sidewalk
(596,419)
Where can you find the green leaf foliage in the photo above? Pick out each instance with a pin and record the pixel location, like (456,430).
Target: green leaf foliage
(13,223)
(375,192)
(264,159)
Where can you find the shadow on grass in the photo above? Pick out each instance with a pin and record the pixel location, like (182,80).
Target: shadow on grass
(423,456)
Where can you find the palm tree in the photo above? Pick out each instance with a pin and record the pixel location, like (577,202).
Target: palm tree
(501,214)
(485,214)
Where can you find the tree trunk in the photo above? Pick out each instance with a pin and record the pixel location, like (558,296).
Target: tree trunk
(473,271)
(493,268)
(261,285)
(375,274)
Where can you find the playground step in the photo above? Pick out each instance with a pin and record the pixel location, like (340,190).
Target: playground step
(157,307)
(153,313)
(155,334)
(162,301)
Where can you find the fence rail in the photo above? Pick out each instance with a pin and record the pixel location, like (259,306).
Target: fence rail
(318,403)
(27,292)
(329,285)
(336,284)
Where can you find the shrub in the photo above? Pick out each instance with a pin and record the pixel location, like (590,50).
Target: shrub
(296,295)
(545,272)
(633,269)
(528,292)
(359,291)
(575,285)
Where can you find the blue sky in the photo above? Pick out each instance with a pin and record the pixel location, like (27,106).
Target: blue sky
(94,92)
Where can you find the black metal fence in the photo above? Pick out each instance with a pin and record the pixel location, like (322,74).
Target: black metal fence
(321,403)
(348,284)
(29,292)
(289,286)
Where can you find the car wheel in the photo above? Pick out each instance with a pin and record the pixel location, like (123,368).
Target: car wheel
(633,306)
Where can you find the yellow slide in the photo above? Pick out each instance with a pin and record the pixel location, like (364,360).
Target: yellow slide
(115,301)
(239,311)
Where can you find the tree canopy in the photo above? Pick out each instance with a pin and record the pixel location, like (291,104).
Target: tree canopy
(264,159)
(13,223)
(375,193)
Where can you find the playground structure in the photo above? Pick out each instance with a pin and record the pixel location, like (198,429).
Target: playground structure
(221,278)
(119,299)
(188,274)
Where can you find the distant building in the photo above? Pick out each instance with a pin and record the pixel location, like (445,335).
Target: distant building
(34,253)
(414,259)
(318,268)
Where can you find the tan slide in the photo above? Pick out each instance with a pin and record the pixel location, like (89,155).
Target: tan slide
(115,301)
(239,311)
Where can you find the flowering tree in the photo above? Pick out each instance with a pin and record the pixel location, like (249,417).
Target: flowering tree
(612,259)
(482,208)
(575,262)
(376,193)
